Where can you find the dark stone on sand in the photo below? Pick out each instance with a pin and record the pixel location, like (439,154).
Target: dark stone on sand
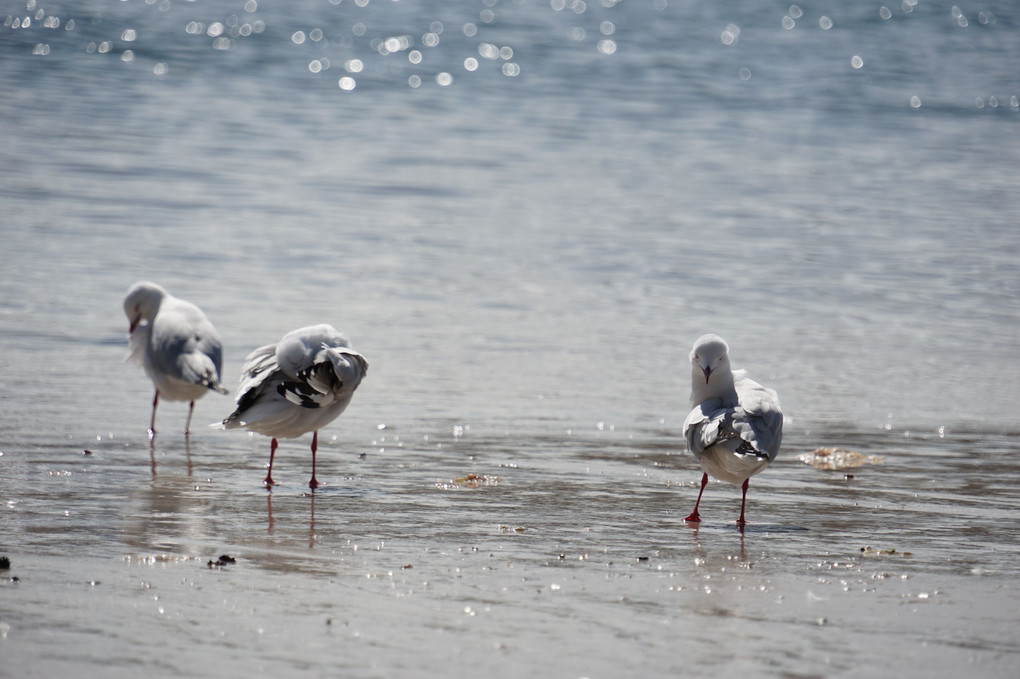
(5,563)
(224,560)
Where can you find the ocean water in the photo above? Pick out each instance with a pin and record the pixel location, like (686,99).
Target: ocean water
(522,213)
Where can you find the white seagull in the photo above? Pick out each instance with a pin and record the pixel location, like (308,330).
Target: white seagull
(296,386)
(176,344)
(735,426)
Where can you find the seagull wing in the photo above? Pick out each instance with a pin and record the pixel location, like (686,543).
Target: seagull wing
(256,380)
(761,424)
(185,345)
(707,425)
(301,349)
(754,427)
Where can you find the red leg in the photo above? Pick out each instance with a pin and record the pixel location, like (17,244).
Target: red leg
(743,499)
(187,425)
(152,422)
(694,517)
(313,484)
(269,483)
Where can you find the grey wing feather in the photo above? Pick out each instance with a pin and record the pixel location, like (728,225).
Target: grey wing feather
(300,349)
(757,422)
(258,366)
(333,376)
(762,423)
(258,363)
(201,363)
(191,352)
(707,425)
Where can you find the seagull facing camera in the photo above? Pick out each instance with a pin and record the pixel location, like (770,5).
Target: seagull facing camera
(735,426)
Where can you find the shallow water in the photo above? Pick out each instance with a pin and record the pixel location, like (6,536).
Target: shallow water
(525,260)
(572,558)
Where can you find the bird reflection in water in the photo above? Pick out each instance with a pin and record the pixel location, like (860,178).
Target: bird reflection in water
(702,556)
(152,455)
(311,517)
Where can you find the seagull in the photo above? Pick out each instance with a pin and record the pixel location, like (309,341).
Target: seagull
(735,426)
(176,344)
(296,386)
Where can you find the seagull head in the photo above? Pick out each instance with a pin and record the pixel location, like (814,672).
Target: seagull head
(142,302)
(710,356)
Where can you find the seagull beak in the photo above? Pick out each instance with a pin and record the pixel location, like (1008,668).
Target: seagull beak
(708,373)
(134,324)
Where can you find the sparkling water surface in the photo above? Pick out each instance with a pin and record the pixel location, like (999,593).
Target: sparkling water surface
(522,213)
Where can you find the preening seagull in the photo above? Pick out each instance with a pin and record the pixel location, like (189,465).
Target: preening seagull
(296,386)
(735,426)
(176,344)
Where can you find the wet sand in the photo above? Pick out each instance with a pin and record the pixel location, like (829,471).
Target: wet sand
(559,555)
